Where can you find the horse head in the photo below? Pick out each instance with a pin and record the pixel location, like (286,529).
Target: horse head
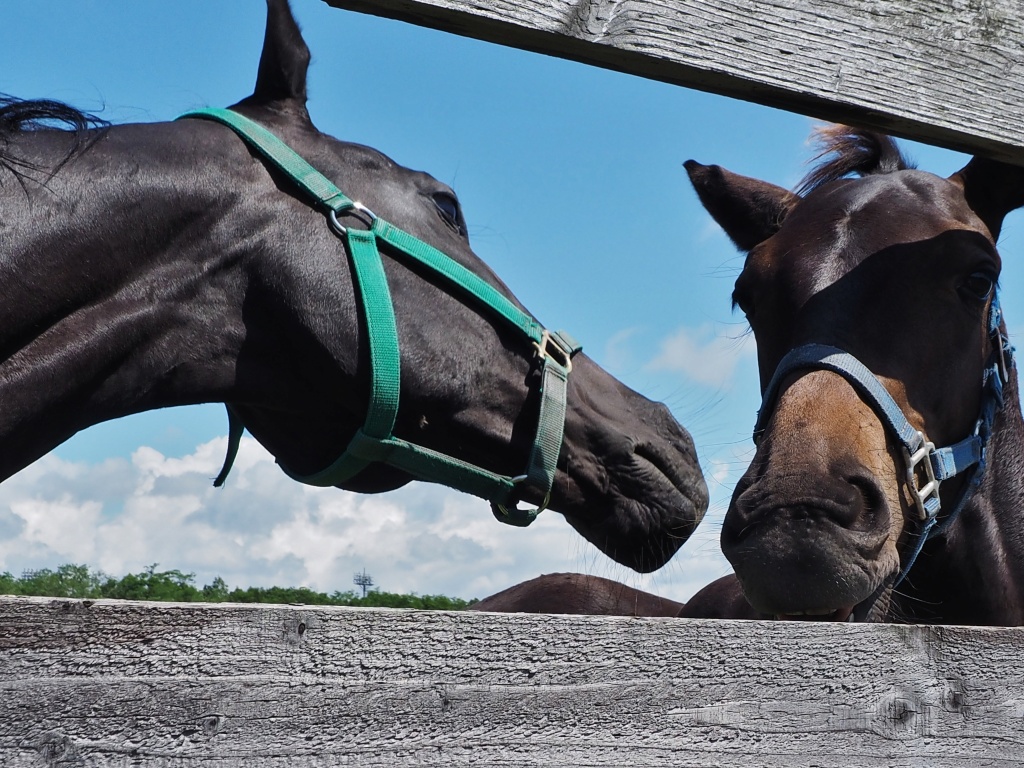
(209,277)
(882,356)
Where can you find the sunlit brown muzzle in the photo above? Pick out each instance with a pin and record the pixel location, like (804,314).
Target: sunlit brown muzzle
(813,523)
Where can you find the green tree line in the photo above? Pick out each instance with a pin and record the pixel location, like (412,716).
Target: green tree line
(174,586)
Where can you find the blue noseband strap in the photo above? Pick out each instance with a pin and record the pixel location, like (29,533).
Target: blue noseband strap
(926,465)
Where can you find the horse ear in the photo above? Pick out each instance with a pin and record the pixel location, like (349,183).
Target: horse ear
(992,190)
(285,59)
(750,211)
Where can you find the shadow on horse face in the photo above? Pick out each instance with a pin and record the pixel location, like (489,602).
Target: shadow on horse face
(884,282)
(225,285)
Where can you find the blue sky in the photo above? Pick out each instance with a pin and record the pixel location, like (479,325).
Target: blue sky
(572,183)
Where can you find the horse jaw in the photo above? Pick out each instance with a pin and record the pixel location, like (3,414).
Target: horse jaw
(628,479)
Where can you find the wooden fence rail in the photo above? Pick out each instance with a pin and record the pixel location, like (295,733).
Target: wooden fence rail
(948,72)
(109,683)
(103,683)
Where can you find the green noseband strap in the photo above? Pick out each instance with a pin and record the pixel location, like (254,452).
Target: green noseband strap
(375,441)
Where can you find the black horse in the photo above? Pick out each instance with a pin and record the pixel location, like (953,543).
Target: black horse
(888,482)
(145,266)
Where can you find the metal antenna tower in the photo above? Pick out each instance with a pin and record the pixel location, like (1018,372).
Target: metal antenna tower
(363,580)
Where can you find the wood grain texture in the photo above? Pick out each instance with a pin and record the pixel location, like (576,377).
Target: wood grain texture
(947,72)
(123,684)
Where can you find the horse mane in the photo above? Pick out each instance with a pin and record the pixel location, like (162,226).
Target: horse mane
(20,115)
(845,150)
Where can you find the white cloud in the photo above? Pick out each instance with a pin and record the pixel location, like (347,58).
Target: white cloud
(618,351)
(59,525)
(264,529)
(702,355)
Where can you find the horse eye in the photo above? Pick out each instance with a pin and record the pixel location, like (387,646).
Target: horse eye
(743,304)
(448,207)
(979,285)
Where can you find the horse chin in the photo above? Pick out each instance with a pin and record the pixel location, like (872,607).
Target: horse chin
(873,610)
(876,608)
(627,545)
(641,513)
(845,576)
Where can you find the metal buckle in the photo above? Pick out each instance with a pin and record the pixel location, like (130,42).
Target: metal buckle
(930,489)
(339,228)
(520,517)
(553,343)
(1002,343)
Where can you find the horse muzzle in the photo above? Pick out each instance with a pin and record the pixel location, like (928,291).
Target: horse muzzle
(810,547)
(631,484)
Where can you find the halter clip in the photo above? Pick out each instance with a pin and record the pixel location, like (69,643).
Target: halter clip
(926,496)
(556,347)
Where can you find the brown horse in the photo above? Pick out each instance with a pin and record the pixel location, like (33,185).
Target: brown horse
(579,594)
(888,479)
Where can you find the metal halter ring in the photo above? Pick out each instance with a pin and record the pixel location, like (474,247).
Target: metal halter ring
(540,507)
(339,228)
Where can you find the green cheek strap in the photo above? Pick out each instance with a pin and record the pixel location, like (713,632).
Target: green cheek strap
(374,442)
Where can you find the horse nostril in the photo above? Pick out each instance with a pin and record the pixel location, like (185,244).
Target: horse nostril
(852,500)
(744,512)
(870,502)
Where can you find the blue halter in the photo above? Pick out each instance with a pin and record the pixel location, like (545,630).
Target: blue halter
(926,465)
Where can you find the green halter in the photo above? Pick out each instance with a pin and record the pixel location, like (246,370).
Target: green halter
(374,442)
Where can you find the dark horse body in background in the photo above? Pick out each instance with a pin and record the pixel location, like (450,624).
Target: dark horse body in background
(577,593)
(145,266)
(898,268)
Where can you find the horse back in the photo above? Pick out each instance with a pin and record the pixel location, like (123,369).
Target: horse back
(579,594)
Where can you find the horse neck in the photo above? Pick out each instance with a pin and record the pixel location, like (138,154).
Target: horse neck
(119,287)
(975,573)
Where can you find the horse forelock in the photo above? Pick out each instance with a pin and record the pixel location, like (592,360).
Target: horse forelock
(18,116)
(843,151)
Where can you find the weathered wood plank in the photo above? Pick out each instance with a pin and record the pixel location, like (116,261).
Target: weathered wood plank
(118,684)
(947,73)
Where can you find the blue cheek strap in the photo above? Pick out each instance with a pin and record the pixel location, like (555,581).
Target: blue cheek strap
(926,466)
